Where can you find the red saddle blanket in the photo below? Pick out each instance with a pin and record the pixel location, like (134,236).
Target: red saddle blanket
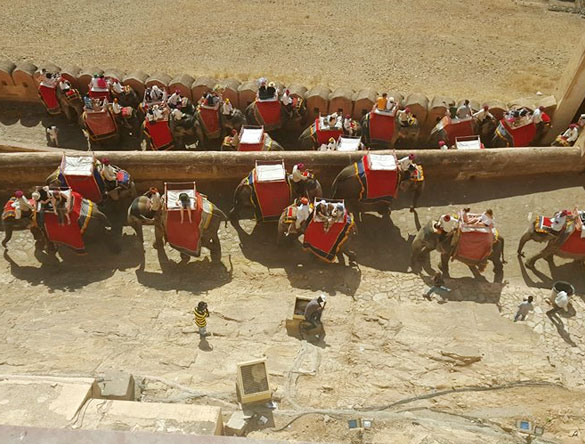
(49,97)
(376,184)
(70,234)
(323,135)
(574,244)
(457,128)
(521,136)
(474,246)
(326,244)
(268,114)
(160,134)
(185,236)
(101,123)
(381,127)
(9,211)
(269,198)
(210,119)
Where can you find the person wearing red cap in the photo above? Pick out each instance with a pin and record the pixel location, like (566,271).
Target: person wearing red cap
(443,145)
(464,111)
(348,125)
(571,134)
(446,224)
(404,117)
(483,114)
(299,176)
(405,162)
(174,99)
(21,205)
(303,213)
(286,100)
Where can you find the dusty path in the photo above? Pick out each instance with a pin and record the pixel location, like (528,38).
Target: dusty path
(384,341)
(445,47)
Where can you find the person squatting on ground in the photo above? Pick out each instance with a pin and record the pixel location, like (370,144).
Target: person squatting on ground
(314,310)
(201,313)
(523,309)
(437,287)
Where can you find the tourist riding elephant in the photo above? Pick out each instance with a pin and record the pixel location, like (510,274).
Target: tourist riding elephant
(71,104)
(128,97)
(442,132)
(308,139)
(211,219)
(311,188)
(557,243)
(286,233)
(347,186)
(429,238)
(269,144)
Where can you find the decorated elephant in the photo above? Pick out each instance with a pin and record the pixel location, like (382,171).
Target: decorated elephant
(566,242)
(245,195)
(140,213)
(27,222)
(349,186)
(430,238)
(331,244)
(71,104)
(407,135)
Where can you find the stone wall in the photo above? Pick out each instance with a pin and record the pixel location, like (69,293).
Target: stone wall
(28,169)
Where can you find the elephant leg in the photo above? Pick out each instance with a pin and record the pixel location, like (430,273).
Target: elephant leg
(546,253)
(158,237)
(341,258)
(525,238)
(7,235)
(216,249)
(415,196)
(137,226)
(444,265)
(352,256)
(184,258)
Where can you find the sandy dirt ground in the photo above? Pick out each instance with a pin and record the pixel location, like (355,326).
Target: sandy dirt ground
(498,49)
(384,342)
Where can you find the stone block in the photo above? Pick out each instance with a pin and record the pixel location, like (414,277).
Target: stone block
(364,101)
(137,81)
(201,85)
(183,83)
(317,101)
(117,385)
(236,425)
(341,101)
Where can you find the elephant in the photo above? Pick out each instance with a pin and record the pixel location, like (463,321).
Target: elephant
(71,104)
(288,217)
(407,136)
(26,222)
(308,138)
(128,97)
(95,229)
(554,240)
(290,118)
(97,139)
(209,233)
(347,186)
(243,194)
(428,239)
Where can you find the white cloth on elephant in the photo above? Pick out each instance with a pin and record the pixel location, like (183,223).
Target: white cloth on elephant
(558,222)
(405,163)
(64,85)
(323,147)
(156,94)
(571,134)
(463,112)
(482,114)
(332,146)
(403,116)
(303,213)
(21,204)
(285,99)
(174,99)
(348,126)
(157,113)
(447,223)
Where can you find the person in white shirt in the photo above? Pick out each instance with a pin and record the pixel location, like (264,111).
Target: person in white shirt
(406,162)
(154,199)
(487,218)
(116,108)
(174,99)
(303,213)
(464,111)
(332,120)
(227,108)
(48,80)
(390,104)
(404,117)
(156,94)
(285,98)
(108,172)
(572,133)
(64,85)
(537,115)
(348,125)
(21,205)
(483,114)
(446,223)
(157,113)
(177,114)
(52,136)
(559,220)
(117,86)
(298,173)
